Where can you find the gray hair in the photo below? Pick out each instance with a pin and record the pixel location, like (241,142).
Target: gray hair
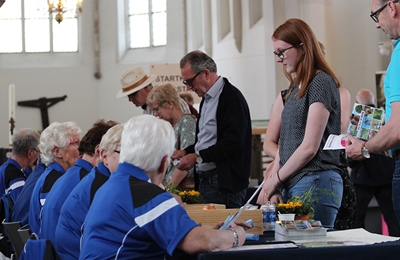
(145,141)
(111,139)
(56,135)
(23,140)
(199,61)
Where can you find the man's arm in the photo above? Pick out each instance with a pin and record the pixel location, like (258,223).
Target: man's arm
(204,239)
(387,137)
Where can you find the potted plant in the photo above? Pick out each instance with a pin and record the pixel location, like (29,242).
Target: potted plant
(189,197)
(302,206)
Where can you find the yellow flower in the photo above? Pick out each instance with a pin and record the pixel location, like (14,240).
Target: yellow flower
(299,205)
(190,197)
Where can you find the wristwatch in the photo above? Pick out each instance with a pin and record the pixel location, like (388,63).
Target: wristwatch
(198,159)
(365,151)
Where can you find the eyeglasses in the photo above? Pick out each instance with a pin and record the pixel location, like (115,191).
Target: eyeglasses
(116,151)
(156,109)
(280,53)
(374,15)
(189,82)
(35,150)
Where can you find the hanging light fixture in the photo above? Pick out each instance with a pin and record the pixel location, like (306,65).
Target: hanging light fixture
(59,7)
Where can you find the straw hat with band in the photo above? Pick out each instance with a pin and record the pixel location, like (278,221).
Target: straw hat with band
(133,80)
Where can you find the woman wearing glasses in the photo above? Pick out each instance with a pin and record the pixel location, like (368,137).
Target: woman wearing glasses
(165,101)
(311,112)
(73,212)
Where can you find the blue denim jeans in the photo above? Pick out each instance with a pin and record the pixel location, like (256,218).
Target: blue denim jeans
(328,190)
(208,188)
(396,189)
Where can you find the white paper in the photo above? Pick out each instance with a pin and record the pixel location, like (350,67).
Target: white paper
(358,234)
(263,246)
(336,142)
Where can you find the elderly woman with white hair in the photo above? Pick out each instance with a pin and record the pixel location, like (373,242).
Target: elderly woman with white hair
(59,144)
(72,216)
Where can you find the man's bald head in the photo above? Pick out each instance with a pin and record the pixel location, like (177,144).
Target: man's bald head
(365,97)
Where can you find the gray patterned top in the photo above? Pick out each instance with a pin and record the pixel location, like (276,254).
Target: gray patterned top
(185,131)
(294,118)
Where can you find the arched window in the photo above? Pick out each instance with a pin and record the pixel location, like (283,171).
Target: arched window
(27,27)
(147,23)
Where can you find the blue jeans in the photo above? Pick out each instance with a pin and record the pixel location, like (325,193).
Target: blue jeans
(396,189)
(208,188)
(328,190)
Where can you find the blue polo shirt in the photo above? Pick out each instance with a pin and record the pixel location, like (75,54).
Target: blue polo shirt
(131,218)
(12,179)
(20,210)
(57,196)
(73,212)
(40,192)
(392,83)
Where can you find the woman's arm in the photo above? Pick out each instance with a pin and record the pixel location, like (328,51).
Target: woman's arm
(271,140)
(345,110)
(317,120)
(177,177)
(269,174)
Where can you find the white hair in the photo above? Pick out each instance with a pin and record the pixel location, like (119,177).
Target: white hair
(56,135)
(145,141)
(111,140)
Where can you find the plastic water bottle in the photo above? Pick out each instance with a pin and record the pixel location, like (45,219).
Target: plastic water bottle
(268,214)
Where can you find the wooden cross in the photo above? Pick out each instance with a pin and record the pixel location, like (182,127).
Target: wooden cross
(42,103)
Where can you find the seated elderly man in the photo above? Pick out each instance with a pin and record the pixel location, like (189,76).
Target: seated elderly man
(24,155)
(131,217)
(59,144)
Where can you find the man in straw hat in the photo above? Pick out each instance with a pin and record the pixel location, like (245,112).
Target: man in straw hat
(136,85)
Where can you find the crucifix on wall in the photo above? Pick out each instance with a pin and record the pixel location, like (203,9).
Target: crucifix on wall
(42,103)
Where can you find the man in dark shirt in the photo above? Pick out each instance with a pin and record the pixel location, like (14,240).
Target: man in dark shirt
(222,151)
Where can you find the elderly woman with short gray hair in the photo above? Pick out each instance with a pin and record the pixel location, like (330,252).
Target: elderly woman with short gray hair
(59,144)
(165,101)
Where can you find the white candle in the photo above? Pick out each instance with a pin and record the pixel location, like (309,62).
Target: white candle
(11,109)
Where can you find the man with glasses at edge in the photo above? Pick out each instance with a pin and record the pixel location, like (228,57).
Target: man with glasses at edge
(386,15)
(136,85)
(222,150)
(25,153)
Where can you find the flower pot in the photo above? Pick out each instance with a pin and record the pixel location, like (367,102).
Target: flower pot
(304,217)
(286,217)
